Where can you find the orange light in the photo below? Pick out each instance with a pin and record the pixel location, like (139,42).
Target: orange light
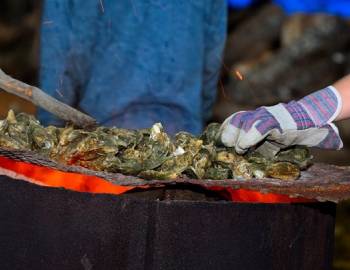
(54,178)
(239,75)
(251,196)
(86,183)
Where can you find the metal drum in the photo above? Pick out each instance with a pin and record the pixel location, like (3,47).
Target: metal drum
(50,228)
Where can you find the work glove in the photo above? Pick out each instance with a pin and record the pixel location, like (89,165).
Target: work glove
(305,122)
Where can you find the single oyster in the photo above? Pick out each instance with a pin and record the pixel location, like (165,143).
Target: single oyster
(227,157)
(283,171)
(9,143)
(43,139)
(159,148)
(15,132)
(152,151)
(70,135)
(211,134)
(18,129)
(69,140)
(170,169)
(123,138)
(258,170)
(242,169)
(179,161)
(297,155)
(129,163)
(202,161)
(94,149)
(218,173)
(257,158)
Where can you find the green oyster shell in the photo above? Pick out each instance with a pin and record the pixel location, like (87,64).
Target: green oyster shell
(148,153)
(283,171)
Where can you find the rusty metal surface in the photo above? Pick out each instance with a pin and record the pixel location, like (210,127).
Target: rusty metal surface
(322,182)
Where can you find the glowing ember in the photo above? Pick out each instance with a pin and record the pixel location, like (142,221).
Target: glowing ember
(50,177)
(46,176)
(238,75)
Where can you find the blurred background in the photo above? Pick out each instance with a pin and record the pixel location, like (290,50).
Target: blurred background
(270,57)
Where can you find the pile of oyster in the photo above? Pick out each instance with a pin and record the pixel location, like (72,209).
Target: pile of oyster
(147,153)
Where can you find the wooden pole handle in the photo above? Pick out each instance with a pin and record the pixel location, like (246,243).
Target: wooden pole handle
(45,101)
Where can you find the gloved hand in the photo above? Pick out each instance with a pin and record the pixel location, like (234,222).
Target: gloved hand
(305,122)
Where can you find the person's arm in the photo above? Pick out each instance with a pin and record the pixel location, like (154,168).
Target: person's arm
(343,88)
(308,121)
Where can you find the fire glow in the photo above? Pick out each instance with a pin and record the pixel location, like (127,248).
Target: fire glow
(45,176)
(239,75)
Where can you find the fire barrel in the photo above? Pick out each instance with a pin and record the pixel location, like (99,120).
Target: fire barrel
(51,228)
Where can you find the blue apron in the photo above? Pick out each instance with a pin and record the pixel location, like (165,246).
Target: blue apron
(335,7)
(131,63)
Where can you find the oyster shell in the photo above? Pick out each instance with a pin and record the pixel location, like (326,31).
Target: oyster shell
(187,147)
(242,169)
(298,155)
(258,170)
(149,153)
(202,161)
(283,171)
(44,140)
(16,131)
(211,134)
(218,172)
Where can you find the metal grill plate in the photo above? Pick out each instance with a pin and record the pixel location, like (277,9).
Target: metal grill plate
(322,182)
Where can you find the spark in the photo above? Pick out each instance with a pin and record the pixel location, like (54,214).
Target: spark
(239,75)
(102,7)
(134,9)
(236,73)
(223,90)
(60,86)
(58,91)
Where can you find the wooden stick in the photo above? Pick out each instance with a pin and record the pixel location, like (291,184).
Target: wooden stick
(43,100)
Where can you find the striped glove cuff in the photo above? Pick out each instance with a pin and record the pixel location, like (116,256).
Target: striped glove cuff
(322,106)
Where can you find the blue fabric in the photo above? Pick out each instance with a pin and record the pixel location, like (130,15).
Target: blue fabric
(335,7)
(240,3)
(338,7)
(131,63)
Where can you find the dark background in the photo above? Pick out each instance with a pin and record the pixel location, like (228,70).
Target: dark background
(260,39)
